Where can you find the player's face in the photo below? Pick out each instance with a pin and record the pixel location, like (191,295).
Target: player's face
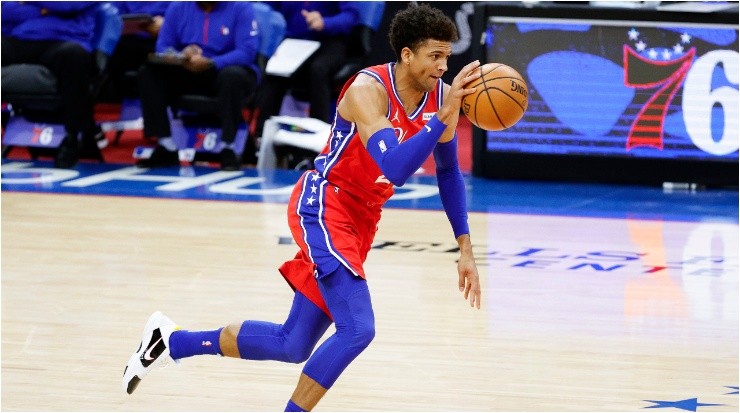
(429,63)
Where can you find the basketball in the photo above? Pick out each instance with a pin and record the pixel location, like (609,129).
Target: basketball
(500,98)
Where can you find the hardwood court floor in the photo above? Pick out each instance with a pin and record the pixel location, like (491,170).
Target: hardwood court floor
(576,315)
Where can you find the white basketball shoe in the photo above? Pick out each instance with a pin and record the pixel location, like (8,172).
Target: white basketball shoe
(154,350)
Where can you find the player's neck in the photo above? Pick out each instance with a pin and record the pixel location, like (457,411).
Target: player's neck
(407,88)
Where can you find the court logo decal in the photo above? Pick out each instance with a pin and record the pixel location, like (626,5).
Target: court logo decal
(688,404)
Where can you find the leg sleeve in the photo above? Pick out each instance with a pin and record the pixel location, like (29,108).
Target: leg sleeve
(348,298)
(290,342)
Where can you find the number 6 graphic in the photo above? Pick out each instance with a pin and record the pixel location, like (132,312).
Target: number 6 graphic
(700,101)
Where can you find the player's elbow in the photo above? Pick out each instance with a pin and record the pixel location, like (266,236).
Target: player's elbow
(395,177)
(397,181)
(396,169)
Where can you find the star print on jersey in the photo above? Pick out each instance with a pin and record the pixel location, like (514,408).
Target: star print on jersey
(314,177)
(313,189)
(310,200)
(688,404)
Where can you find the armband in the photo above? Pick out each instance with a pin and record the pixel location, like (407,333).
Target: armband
(399,161)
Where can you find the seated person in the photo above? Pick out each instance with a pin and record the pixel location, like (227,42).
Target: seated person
(133,48)
(327,22)
(216,44)
(58,35)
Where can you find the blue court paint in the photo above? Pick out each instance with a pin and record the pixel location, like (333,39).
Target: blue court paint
(688,404)
(420,192)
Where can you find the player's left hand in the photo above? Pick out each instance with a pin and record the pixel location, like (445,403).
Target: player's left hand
(469,281)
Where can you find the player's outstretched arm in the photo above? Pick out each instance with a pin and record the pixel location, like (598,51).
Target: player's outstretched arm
(452,192)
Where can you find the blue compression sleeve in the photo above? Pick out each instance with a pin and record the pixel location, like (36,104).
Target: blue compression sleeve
(452,186)
(291,342)
(399,161)
(348,298)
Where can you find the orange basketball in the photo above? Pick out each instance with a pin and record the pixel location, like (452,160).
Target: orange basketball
(500,98)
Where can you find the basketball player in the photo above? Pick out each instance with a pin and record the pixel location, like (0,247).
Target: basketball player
(389,119)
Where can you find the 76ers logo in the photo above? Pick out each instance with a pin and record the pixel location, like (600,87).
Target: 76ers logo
(659,73)
(42,135)
(400,134)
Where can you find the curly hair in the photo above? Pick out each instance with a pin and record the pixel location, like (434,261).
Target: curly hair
(417,23)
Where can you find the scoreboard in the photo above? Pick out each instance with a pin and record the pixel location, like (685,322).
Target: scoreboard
(616,100)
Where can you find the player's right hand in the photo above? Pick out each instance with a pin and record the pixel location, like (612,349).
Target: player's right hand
(450,109)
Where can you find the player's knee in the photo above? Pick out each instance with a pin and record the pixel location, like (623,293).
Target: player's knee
(297,351)
(363,335)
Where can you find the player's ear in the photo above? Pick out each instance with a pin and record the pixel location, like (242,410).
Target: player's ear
(406,55)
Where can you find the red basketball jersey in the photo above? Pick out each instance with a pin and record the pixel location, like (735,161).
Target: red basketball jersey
(345,162)
(334,211)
